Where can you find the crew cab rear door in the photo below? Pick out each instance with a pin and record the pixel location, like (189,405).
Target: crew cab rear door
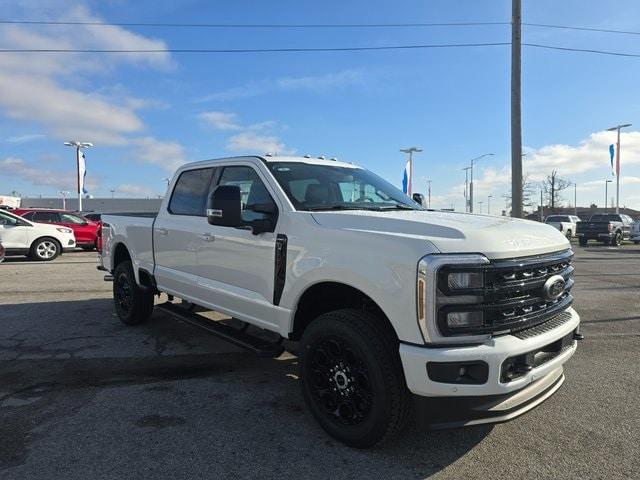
(13,235)
(176,233)
(236,267)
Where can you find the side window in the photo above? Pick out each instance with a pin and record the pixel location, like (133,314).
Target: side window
(68,218)
(256,201)
(46,217)
(190,194)
(7,219)
(29,216)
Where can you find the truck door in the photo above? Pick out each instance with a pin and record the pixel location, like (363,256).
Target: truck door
(177,231)
(236,267)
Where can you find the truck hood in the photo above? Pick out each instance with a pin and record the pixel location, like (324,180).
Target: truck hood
(450,232)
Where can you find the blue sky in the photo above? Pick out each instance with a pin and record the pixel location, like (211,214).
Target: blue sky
(147,113)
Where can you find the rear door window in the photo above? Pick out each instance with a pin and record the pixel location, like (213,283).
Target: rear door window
(46,217)
(190,194)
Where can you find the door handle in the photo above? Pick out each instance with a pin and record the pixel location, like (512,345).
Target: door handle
(162,231)
(207,237)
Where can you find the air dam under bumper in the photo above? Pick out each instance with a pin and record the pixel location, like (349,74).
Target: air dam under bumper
(493,352)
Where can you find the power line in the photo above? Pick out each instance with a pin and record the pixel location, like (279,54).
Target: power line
(584,50)
(250,50)
(252,25)
(586,29)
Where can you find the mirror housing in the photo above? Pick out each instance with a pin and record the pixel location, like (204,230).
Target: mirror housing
(418,198)
(224,207)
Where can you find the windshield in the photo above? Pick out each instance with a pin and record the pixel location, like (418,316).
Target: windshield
(327,187)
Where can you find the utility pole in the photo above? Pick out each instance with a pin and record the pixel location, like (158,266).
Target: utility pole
(575,199)
(410,151)
(471,183)
(64,194)
(489,197)
(429,187)
(606,194)
(516,125)
(466,188)
(618,127)
(79,146)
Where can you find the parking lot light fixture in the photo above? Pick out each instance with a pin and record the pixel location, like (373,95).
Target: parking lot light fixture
(473,160)
(614,129)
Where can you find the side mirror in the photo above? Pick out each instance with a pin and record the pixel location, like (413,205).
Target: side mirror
(418,198)
(224,207)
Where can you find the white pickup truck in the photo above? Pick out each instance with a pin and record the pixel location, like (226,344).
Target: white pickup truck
(567,224)
(392,307)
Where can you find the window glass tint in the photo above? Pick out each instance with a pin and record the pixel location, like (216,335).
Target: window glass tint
(254,194)
(68,218)
(29,216)
(46,217)
(7,219)
(321,187)
(190,193)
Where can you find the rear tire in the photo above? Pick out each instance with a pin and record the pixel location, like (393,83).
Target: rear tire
(352,378)
(45,249)
(617,239)
(583,242)
(134,305)
(568,235)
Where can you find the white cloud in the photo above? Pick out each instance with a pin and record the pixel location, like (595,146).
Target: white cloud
(134,190)
(220,120)
(167,155)
(34,87)
(30,137)
(64,180)
(318,83)
(250,141)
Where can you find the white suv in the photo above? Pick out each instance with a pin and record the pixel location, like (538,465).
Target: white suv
(38,240)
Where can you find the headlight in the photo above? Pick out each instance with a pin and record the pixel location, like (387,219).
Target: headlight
(464,319)
(64,230)
(465,280)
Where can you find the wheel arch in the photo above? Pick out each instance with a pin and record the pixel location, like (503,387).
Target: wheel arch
(327,296)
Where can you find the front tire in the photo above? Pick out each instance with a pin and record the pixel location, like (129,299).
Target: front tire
(45,249)
(134,305)
(352,378)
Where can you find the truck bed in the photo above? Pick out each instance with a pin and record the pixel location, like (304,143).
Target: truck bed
(137,229)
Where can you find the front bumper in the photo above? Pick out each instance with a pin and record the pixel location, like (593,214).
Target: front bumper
(494,352)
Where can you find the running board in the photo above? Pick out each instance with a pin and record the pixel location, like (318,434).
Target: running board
(259,346)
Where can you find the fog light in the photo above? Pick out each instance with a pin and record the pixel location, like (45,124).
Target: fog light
(464,319)
(470,373)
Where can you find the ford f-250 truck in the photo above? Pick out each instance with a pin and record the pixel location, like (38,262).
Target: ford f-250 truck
(608,228)
(391,305)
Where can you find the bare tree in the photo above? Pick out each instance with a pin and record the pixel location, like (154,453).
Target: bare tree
(553,187)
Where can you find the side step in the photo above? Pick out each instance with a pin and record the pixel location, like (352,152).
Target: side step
(259,346)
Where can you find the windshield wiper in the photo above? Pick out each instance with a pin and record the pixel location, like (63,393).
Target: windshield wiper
(398,206)
(316,208)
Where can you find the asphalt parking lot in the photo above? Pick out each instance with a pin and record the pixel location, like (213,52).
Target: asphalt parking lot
(84,397)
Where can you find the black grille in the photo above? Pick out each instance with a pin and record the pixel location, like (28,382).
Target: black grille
(513,296)
(545,327)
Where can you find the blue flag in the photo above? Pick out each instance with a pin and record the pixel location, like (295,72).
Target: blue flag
(612,152)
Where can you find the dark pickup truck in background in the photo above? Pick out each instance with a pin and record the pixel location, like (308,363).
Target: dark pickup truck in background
(608,228)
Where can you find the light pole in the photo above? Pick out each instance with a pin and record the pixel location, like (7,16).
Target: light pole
(606,193)
(64,194)
(489,197)
(410,151)
(429,188)
(113,190)
(575,199)
(480,206)
(79,146)
(612,129)
(466,188)
(471,183)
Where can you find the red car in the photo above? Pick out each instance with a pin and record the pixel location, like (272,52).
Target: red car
(85,231)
